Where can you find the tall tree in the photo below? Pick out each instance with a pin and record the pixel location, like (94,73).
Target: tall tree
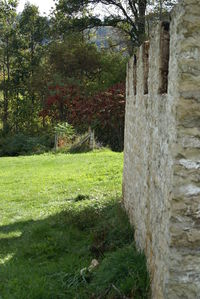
(34,30)
(7,33)
(128,15)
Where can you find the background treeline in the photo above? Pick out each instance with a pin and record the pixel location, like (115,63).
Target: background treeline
(55,70)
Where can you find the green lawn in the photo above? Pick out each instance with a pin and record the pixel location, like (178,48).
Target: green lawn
(57,214)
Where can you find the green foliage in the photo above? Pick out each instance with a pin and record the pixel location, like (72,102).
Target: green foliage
(22,144)
(65,130)
(23,42)
(33,59)
(113,71)
(7,33)
(74,59)
(59,212)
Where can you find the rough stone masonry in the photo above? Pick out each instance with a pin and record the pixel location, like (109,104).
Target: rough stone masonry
(162,153)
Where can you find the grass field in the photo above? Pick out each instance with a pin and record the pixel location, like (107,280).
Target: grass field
(57,214)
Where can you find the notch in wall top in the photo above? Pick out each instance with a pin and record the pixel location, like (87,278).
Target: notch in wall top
(135,57)
(165,25)
(164,56)
(145,54)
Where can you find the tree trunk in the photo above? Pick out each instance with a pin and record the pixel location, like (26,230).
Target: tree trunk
(32,46)
(5,109)
(6,79)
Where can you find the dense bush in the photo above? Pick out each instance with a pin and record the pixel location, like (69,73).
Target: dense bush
(22,144)
(104,111)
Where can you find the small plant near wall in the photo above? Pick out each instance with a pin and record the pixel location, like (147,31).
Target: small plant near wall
(64,135)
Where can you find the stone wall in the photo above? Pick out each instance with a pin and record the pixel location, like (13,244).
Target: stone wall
(161,182)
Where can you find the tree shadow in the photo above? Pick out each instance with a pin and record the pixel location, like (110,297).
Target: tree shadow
(36,255)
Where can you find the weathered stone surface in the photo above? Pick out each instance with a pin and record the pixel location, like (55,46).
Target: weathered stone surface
(161,182)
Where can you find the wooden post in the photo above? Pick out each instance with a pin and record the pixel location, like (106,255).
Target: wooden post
(92,140)
(56,142)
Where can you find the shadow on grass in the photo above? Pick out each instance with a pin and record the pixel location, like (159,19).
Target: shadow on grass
(43,258)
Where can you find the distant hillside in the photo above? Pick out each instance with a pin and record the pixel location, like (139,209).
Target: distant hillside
(105,37)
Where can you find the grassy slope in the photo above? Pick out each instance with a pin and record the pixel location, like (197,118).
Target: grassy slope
(58,212)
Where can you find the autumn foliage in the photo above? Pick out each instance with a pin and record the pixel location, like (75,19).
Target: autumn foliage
(103,111)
